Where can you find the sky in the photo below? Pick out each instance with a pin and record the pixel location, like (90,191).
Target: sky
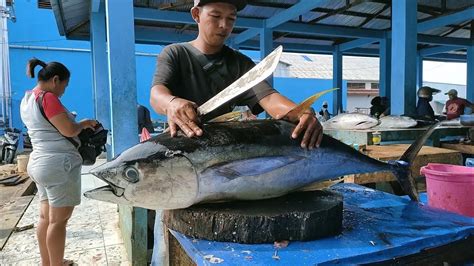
(444,72)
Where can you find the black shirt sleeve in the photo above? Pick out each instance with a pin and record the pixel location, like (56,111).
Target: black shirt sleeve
(166,72)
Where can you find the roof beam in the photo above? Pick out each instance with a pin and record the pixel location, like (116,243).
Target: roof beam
(155,15)
(436,50)
(464,15)
(447,41)
(356,43)
(447,57)
(327,30)
(302,7)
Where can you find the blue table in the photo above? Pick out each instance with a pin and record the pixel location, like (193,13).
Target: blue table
(377,227)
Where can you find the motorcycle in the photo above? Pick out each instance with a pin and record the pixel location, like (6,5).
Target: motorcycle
(9,145)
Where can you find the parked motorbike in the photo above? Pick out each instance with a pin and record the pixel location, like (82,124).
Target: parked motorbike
(9,144)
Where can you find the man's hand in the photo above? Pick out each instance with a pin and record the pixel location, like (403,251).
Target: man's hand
(182,115)
(313,131)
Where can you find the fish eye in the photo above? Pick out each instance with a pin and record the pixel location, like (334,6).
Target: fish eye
(131,174)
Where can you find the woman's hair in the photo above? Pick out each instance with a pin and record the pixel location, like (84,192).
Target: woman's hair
(48,70)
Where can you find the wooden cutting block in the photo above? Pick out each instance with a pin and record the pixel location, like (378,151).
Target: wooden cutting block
(300,216)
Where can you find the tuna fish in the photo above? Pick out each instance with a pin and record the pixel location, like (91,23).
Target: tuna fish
(234,161)
(351,121)
(396,121)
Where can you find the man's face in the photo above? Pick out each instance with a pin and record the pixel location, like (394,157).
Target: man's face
(216,21)
(451,96)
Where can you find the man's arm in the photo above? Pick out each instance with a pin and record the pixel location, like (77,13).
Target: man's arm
(276,105)
(181,113)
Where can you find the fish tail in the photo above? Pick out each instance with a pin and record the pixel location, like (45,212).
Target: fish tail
(402,167)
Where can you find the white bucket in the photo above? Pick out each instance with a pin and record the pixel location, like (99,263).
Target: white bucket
(22,163)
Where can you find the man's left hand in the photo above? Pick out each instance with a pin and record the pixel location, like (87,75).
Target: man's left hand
(313,131)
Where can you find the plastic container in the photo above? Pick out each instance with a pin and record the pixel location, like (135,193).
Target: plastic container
(467,120)
(376,138)
(450,187)
(470,162)
(22,163)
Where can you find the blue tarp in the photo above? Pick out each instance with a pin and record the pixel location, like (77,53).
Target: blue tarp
(377,226)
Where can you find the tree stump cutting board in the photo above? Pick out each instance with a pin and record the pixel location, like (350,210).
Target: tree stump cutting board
(300,216)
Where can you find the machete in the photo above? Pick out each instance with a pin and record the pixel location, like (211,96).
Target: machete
(254,76)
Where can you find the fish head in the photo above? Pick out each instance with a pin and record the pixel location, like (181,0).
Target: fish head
(148,175)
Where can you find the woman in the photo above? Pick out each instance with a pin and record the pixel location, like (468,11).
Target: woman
(55,163)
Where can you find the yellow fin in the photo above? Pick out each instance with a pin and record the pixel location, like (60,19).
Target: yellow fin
(231,116)
(304,106)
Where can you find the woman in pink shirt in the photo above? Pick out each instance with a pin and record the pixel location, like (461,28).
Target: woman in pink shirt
(55,163)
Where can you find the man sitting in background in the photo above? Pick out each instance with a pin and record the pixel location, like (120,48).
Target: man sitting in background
(455,105)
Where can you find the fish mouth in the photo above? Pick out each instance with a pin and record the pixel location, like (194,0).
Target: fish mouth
(107,194)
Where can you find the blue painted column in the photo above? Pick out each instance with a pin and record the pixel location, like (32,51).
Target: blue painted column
(123,108)
(470,68)
(470,73)
(337,106)
(419,71)
(385,65)
(266,46)
(404,40)
(99,66)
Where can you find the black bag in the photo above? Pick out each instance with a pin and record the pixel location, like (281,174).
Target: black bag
(92,141)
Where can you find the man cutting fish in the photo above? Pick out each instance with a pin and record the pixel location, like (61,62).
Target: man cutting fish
(189,74)
(182,82)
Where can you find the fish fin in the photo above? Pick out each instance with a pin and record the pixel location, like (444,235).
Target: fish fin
(402,166)
(250,167)
(231,116)
(299,110)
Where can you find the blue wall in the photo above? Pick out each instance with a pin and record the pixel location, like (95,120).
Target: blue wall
(35,34)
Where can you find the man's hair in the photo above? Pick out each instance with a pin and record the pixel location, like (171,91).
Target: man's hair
(239,4)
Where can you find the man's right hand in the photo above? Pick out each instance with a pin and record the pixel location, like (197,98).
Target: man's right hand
(182,115)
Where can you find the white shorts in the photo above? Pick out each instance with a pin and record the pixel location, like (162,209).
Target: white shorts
(57,177)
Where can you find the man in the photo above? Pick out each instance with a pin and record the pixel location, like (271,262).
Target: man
(455,105)
(144,119)
(324,113)
(181,84)
(423,107)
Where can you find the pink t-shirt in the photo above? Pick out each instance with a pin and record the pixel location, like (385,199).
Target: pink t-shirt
(51,104)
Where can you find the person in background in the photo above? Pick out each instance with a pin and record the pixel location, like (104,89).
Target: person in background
(380,106)
(324,113)
(181,84)
(423,107)
(55,163)
(455,106)
(144,119)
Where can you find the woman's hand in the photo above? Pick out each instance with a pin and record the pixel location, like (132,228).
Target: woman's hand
(182,115)
(88,123)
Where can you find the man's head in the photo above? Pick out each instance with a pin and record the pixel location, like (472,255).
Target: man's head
(453,94)
(325,104)
(427,92)
(215,19)
(239,4)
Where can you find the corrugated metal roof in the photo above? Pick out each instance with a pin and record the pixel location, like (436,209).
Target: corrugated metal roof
(73,17)
(320,67)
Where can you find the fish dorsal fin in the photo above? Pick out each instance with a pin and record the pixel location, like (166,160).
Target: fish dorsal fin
(231,116)
(303,106)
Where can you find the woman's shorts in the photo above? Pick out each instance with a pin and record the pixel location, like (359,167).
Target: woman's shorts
(57,177)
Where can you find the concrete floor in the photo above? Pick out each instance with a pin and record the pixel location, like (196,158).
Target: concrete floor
(93,236)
